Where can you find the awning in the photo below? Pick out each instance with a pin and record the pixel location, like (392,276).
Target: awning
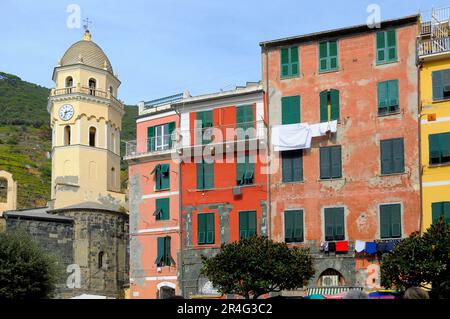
(330,290)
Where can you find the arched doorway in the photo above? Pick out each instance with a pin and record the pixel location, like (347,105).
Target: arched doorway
(166,290)
(331,278)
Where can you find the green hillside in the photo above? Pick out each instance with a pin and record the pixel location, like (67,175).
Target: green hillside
(25,137)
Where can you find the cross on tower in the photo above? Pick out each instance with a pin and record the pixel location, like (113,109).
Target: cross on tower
(86,24)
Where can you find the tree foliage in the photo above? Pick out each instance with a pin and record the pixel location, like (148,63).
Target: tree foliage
(420,260)
(26,271)
(255,266)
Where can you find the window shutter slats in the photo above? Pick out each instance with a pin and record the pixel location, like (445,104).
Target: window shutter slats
(288,226)
(295,109)
(393,95)
(336,162)
(385,221)
(200,179)
(398,156)
(251,223)
(438,85)
(386,157)
(209,175)
(325,163)
(382,97)
(434,149)
(285,110)
(329,224)
(243,225)
(160,251)
(324,106)
(297,166)
(396,228)
(334,101)
(339,223)
(201,228)
(294,61)
(210,228)
(150,138)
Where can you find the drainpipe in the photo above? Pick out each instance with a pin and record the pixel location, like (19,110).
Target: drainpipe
(269,196)
(180,231)
(419,96)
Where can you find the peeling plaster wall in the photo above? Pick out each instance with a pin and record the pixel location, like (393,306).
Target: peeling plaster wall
(360,130)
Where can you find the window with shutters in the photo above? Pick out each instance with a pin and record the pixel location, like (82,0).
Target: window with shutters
(386,46)
(329,105)
(293,226)
(330,162)
(441,85)
(441,209)
(164,257)
(328,56)
(439,148)
(205,176)
(292,166)
(334,223)
(388,100)
(204,127)
(392,156)
(245,170)
(390,221)
(206,228)
(159,138)
(162,176)
(162,209)
(290,109)
(247,224)
(289,62)
(244,121)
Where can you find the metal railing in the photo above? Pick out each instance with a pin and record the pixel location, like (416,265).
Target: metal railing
(433,46)
(196,137)
(84,90)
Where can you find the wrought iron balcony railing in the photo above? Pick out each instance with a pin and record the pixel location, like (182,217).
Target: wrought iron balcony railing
(433,46)
(86,91)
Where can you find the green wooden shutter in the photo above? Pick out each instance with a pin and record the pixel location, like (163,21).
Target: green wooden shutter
(200,176)
(385,221)
(290,110)
(243,225)
(396,223)
(210,228)
(284,56)
(324,106)
(398,153)
(151,139)
(391,45)
(297,165)
(333,55)
(163,204)
(381,46)
(336,162)
(325,163)
(289,226)
(436,211)
(201,228)
(323,56)
(209,175)
(296,109)
(240,169)
(445,147)
(334,101)
(171,129)
(165,176)
(446,211)
(167,253)
(285,110)
(434,148)
(386,157)
(294,61)
(438,85)
(207,123)
(298,226)
(382,97)
(339,223)
(160,248)
(245,120)
(249,172)
(251,223)
(393,95)
(286,167)
(329,224)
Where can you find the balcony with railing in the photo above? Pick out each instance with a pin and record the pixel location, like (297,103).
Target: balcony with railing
(86,91)
(428,47)
(196,138)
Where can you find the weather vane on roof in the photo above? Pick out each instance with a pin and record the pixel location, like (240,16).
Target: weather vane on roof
(86,24)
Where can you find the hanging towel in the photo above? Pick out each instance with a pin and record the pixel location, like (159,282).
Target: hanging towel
(321,129)
(371,248)
(324,246)
(342,246)
(332,247)
(360,246)
(390,245)
(291,137)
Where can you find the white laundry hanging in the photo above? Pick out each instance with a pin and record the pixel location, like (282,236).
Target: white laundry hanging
(291,137)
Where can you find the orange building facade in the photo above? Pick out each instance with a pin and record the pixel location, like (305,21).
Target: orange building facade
(224,188)
(154,201)
(360,182)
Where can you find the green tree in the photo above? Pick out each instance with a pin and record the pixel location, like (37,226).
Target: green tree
(420,261)
(26,270)
(255,266)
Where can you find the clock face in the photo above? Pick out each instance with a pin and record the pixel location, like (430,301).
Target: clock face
(66,112)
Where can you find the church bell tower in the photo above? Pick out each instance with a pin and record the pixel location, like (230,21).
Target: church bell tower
(86,121)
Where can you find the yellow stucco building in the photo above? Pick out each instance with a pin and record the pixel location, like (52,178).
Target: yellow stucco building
(434,67)
(86,119)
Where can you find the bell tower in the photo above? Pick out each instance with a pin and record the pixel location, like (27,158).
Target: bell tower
(86,121)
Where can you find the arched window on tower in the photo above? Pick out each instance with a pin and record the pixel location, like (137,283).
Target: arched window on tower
(92,86)
(3,190)
(100,259)
(92,136)
(69,84)
(113,177)
(111,91)
(67,135)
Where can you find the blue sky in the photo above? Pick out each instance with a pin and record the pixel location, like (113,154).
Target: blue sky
(164,47)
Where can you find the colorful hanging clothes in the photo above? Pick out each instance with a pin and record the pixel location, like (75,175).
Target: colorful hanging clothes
(342,246)
(381,247)
(360,246)
(324,246)
(332,247)
(371,248)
